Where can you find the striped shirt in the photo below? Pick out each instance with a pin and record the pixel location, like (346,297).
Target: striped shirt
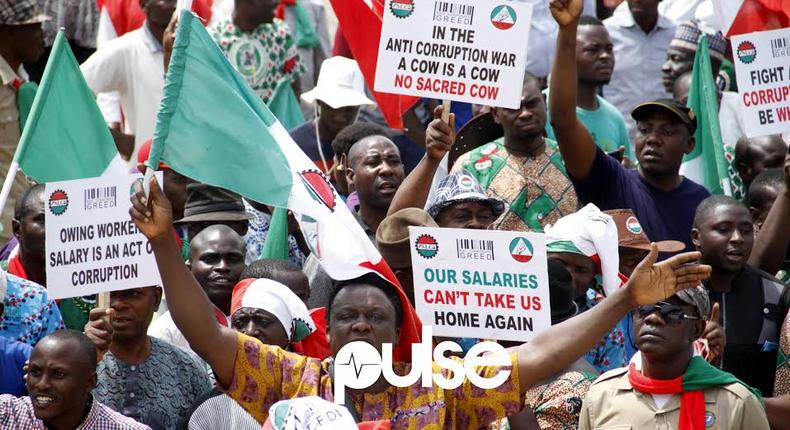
(17,413)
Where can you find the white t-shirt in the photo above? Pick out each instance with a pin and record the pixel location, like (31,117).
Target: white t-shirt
(133,66)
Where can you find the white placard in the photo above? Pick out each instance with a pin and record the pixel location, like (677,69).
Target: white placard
(762,69)
(92,245)
(464,50)
(481,283)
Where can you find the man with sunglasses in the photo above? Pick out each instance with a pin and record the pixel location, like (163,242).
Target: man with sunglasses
(667,385)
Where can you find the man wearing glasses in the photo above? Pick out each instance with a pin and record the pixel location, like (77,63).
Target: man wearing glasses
(666,385)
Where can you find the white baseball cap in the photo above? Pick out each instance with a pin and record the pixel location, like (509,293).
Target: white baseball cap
(340,84)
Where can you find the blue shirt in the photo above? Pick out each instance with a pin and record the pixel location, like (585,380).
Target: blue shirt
(29,314)
(665,215)
(13,356)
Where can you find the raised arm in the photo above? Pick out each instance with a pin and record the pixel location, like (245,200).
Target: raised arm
(576,144)
(559,346)
(413,192)
(770,245)
(188,304)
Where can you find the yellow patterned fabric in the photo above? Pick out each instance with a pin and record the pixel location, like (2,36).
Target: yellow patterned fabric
(265,374)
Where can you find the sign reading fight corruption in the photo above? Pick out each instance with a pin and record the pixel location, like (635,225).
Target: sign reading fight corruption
(762,68)
(480,283)
(464,50)
(92,245)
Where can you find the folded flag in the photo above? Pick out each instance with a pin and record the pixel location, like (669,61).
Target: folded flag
(706,164)
(239,145)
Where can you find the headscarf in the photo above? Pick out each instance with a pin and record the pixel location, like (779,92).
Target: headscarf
(591,233)
(277,299)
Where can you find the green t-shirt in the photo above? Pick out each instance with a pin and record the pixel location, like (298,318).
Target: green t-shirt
(606,125)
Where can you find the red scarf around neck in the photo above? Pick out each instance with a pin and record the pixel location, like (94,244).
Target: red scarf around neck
(16,268)
(692,403)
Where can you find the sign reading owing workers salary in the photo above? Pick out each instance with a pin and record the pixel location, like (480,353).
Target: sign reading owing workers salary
(762,69)
(464,50)
(92,245)
(480,283)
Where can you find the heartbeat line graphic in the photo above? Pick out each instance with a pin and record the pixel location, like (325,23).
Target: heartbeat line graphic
(352,362)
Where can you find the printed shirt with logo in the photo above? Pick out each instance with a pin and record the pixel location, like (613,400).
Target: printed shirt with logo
(263,57)
(536,191)
(266,374)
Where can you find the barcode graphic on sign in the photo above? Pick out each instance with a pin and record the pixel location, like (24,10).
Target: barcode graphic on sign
(780,47)
(100,197)
(454,9)
(474,245)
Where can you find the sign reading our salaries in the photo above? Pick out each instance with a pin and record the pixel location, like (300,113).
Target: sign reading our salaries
(762,69)
(480,283)
(92,245)
(463,50)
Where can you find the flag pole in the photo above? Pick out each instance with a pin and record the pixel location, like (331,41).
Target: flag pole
(8,183)
(446,111)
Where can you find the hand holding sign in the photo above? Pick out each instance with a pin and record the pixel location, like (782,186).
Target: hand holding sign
(153,216)
(99,330)
(440,136)
(566,12)
(652,282)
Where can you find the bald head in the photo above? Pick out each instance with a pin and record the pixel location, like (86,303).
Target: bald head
(363,145)
(216,260)
(756,154)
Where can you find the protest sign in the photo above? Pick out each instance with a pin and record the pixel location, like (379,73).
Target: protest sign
(92,245)
(762,69)
(480,283)
(464,50)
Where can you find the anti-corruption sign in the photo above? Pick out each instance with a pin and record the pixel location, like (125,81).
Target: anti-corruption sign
(480,283)
(762,69)
(464,50)
(92,245)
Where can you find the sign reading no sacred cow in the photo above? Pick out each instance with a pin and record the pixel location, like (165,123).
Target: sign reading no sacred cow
(464,50)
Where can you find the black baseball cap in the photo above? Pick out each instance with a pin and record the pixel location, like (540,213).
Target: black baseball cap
(683,113)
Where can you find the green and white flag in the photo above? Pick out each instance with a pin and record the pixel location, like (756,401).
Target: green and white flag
(213,128)
(65,136)
(706,164)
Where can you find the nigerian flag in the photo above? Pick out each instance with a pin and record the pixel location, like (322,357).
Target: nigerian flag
(706,164)
(65,136)
(213,128)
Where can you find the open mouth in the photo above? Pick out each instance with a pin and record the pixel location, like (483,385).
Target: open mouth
(42,401)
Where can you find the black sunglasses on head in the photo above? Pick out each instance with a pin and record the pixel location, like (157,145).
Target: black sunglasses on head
(671,314)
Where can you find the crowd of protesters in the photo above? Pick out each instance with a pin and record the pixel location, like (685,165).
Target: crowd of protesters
(669,305)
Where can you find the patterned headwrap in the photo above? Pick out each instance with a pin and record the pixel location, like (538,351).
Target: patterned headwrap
(591,233)
(277,299)
(687,35)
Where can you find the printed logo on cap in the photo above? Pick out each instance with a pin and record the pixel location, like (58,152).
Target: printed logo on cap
(319,188)
(402,8)
(503,17)
(632,225)
(521,249)
(58,202)
(466,183)
(426,246)
(746,52)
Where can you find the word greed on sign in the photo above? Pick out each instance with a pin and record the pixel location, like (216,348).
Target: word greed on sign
(465,50)
(359,365)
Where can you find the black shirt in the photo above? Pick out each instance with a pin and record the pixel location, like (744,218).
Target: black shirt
(752,322)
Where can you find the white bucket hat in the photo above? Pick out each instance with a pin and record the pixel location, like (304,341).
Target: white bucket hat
(340,84)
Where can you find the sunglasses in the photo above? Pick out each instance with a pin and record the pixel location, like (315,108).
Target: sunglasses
(670,313)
